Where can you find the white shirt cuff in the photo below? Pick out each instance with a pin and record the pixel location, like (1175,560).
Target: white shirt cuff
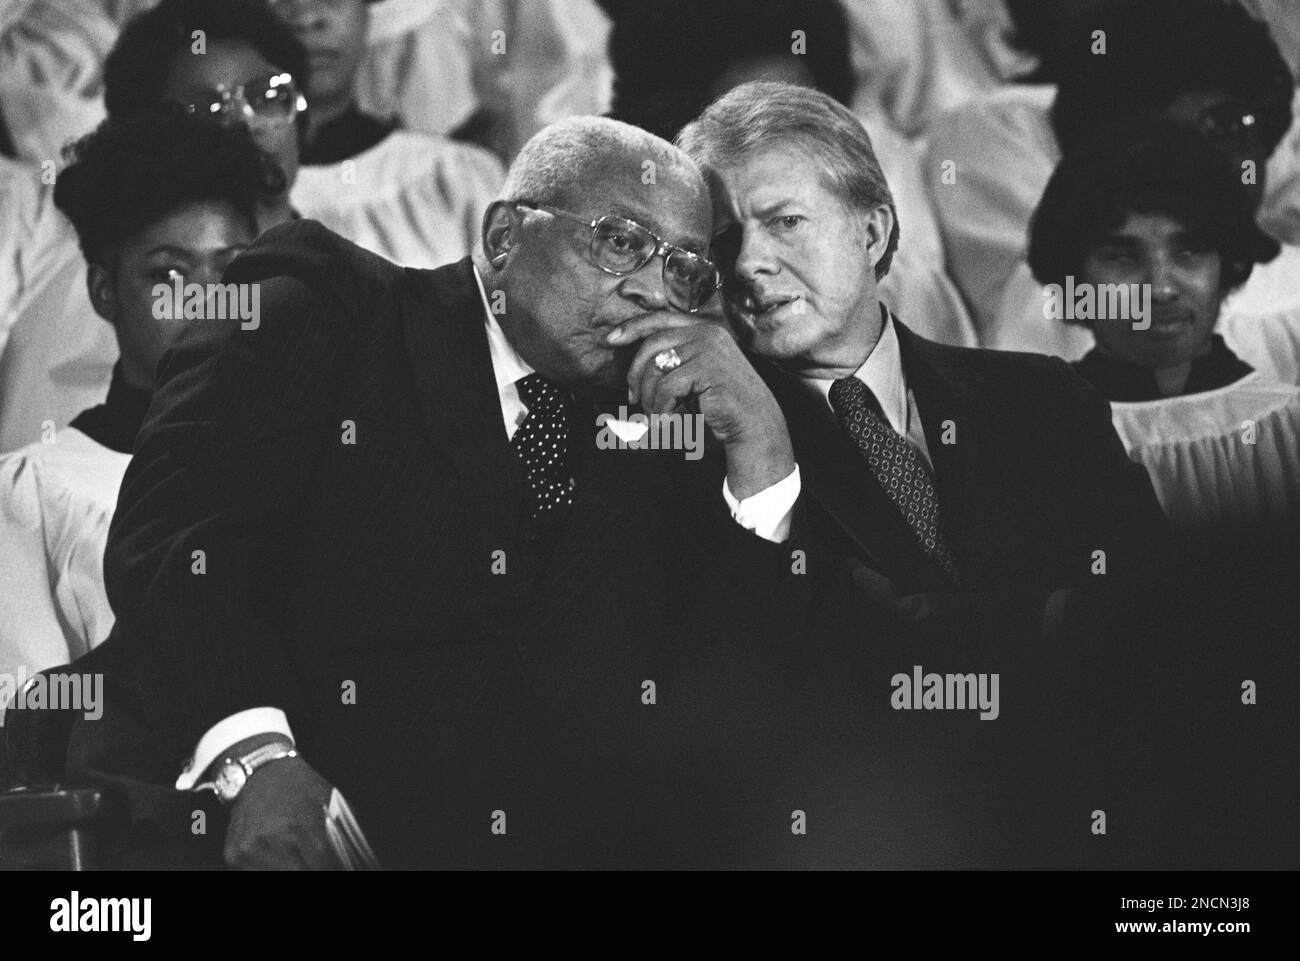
(768,512)
(236,728)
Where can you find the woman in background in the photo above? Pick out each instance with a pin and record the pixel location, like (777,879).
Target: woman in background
(154,198)
(1155,209)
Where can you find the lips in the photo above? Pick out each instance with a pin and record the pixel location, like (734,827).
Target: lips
(1170,320)
(760,305)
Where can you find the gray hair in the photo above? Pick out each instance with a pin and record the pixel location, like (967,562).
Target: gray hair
(559,161)
(761,113)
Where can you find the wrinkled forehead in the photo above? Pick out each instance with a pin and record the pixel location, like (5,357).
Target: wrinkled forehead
(766,177)
(658,192)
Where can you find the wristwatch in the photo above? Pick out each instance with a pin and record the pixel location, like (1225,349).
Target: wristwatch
(232,773)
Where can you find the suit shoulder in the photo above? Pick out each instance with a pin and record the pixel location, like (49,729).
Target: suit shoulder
(315,255)
(1028,378)
(1017,364)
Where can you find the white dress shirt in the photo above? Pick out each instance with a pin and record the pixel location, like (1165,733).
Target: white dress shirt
(882,372)
(766,513)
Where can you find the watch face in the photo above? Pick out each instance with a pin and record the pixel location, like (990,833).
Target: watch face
(230,780)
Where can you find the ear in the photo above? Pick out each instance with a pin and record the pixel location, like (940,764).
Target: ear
(103,293)
(877,226)
(501,223)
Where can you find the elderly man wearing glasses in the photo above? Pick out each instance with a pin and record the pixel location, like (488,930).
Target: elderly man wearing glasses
(423,582)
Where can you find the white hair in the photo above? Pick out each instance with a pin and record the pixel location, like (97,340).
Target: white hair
(557,163)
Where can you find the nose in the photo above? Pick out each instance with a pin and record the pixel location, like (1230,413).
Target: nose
(205,274)
(302,16)
(645,287)
(1161,277)
(754,255)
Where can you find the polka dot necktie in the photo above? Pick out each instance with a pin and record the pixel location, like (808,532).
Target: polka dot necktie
(542,441)
(897,466)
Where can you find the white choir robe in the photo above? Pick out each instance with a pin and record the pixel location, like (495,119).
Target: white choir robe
(916,59)
(1225,460)
(1269,342)
(1003,150)
(56,354)
(416,199)
(56,503)
(525,63)
(917,287)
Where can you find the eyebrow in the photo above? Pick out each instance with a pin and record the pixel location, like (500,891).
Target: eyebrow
(769,209)
(187,252)
(169,249)
(627,213)
(1182,235)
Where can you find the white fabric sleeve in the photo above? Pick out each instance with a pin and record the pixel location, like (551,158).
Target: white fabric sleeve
(768,512)
(237,727)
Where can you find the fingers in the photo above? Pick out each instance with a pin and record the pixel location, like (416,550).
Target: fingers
(642,372)
(641,327)
(670,391)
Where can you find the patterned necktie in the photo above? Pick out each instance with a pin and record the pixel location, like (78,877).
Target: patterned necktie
(897,466)
(542,441)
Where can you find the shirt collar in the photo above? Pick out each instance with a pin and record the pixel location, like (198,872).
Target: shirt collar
(882,372)
(507,366)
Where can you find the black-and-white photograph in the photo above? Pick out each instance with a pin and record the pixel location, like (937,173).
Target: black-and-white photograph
(651,435)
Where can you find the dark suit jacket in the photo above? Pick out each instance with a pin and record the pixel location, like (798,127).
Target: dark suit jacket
(1032,479)
(359,587)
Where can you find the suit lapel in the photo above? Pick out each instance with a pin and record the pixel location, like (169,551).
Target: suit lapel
(609,502)
(953,432)
(838,479)
(451,369)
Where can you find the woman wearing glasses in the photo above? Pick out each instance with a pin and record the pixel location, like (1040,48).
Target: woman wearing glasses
(414,198)
(231,60)
(217,57)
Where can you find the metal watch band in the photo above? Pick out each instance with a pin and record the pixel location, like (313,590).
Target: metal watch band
(251,761)
(264,754)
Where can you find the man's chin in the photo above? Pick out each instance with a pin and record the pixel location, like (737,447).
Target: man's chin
(774,345)
(607,380)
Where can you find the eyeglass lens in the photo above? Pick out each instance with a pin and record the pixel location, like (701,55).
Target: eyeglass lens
(272,98)
(622,246)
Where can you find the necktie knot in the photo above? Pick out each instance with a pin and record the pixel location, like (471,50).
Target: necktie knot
(848,396)
(540,395)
